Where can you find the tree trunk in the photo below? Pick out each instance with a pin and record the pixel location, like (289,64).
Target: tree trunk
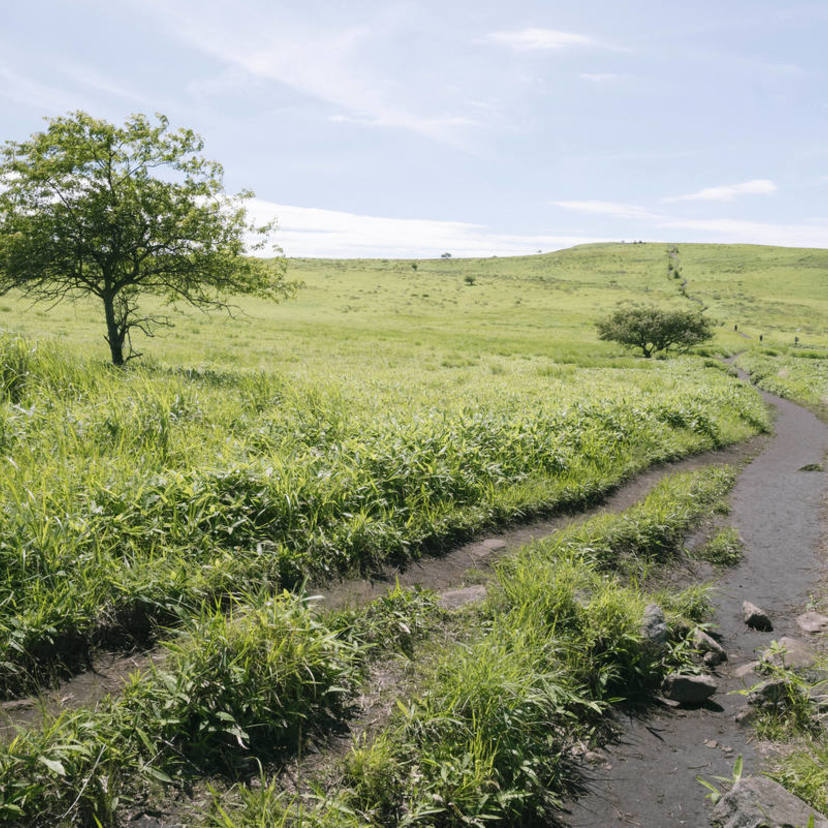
(114,335)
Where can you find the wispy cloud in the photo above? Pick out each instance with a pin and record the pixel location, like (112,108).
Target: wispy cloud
(530,40)
(601,77)
(607,208)
(331,63)
(728,192)
(811,233)
(30,92)
(307,231)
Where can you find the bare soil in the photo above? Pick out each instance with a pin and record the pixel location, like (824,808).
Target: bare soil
(648,778)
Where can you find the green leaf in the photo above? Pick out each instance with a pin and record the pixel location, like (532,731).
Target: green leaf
(53,764)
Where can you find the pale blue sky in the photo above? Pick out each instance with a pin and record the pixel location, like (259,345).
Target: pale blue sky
(410,128)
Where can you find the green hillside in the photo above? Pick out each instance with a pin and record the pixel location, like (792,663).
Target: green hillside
(376,310)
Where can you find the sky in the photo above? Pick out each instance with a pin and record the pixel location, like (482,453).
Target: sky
(478,128)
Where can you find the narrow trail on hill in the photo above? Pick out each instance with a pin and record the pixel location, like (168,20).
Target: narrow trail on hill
(649,776)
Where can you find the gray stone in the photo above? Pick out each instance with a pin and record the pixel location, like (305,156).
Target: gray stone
(688,688)
(746,669)
(654,626)
(745,716)
(790,652)
(759,802)
(768,692)
(812,622)
(756,618)
(454,598)
(713,651)
(818,694)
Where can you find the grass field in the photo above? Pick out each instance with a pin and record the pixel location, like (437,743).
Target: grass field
(390,410)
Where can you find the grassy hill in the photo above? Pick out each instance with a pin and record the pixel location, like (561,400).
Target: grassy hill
(390,410)
(378,312)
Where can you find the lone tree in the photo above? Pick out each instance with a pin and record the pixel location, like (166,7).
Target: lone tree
(653,329)
(117,212)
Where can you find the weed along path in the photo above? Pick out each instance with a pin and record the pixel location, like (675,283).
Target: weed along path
(469,564)
(648,778)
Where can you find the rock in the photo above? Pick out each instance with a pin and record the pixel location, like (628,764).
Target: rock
(745,716)
(745,669)
(688,689)
(756,618)
(713,651)
(759,802)
(494,544)
(454,598)
(768,692)
(812,622)
(790,652)
(654,626)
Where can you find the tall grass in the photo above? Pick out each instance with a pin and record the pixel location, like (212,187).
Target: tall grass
(236,686)
(800,375)
(488,739)
(127,499)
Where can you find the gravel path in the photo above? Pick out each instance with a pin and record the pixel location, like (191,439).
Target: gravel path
(648,778)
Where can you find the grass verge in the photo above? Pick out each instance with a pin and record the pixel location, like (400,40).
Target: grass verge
(487,738)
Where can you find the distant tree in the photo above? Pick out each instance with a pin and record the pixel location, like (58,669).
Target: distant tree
(653,329)
(119,212)
(445,255)
(469,279)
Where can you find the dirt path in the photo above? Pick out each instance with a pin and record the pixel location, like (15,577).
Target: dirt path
(450,575)
(472,562)
(648,778)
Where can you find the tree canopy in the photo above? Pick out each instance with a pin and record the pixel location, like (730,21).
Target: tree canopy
(654,329)
(118,212)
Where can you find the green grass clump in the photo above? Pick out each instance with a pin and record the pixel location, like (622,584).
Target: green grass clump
(804,772)
(236,686)
(725,548)
(487,738)
(801,376)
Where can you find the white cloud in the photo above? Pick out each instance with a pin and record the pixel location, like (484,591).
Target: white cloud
(601,77)
(528,40)
(757,186)
(331,64)
(738,231)
(29,92)
(313,232)
(606,208)
(812,233)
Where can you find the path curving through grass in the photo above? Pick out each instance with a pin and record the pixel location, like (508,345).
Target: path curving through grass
(650,776)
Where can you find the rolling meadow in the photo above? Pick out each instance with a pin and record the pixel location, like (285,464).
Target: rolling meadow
(188,504)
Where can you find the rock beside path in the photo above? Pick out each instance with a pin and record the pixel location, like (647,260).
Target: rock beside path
(455,598)
(759,802)
(790,652)
(688,688)
(654,626)
(714,653)
(812,622)
(756,618)
(768,693)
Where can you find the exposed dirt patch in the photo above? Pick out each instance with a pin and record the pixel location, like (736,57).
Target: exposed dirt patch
(649,778)
(108,674)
